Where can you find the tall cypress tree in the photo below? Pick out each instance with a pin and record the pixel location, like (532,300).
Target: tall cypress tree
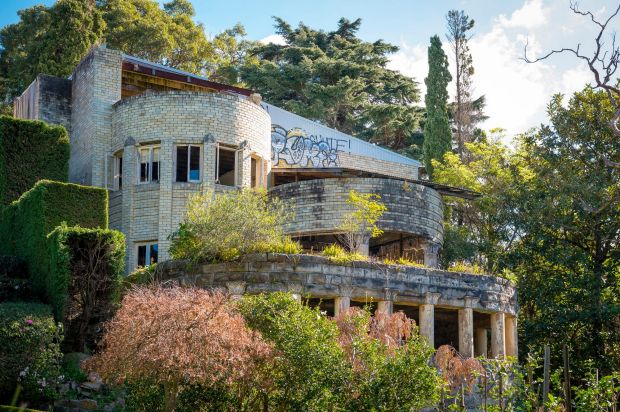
(437,134)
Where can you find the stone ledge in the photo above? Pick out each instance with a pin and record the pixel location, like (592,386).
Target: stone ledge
(321,277)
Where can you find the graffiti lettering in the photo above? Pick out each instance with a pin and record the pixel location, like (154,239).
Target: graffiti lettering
(294,147)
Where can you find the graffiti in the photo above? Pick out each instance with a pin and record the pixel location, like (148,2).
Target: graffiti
(295,148)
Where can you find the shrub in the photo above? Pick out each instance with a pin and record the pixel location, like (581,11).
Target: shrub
(84,279)
(24,224)
(464,267)
(29,351)
(180,337)
(310,372)
(404,262)
(338,255)
(30,151)
(224,227)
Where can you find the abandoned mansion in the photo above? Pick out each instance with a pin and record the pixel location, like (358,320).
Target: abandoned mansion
(152,135)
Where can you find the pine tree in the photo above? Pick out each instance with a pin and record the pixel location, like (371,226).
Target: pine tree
(437,134)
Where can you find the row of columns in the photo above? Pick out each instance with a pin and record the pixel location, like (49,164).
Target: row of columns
(472,342)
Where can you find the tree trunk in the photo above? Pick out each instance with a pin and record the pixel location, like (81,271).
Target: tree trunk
(170,396)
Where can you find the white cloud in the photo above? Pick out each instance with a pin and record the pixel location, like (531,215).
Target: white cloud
(531,15)
(517,92)
(273,38)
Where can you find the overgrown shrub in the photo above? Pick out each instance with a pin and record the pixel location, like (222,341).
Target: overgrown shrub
(25,224)
(84,279)
(226,226)
(360,224)
(30,151)
(29,351)
(339,255)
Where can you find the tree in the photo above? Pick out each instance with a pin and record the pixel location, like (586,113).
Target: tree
(168,36)
(437,134)
(603,64)
(359,225)
(467,112)
(226,226)
(231,52)
(338,80)
(49,40)
(180,337)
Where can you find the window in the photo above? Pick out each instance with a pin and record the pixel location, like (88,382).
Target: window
(226,166)
(114,171)
(188,163)
(256,172)
(148,157)
(147,254)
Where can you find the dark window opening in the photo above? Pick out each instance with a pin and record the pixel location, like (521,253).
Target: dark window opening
(119,172)
(142,255)
(254,172)
(182,163)
(226,167)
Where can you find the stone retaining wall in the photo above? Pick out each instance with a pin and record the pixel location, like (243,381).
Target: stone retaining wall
(318,276)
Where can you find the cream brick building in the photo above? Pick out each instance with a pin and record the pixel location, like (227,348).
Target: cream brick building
(152,135)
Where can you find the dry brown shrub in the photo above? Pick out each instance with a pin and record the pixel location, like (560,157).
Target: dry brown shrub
(456,370)
(176,336)
(391,329)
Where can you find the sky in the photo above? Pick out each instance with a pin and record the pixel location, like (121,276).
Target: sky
(517,92)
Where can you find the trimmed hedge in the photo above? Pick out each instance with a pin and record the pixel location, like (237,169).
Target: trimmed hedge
(30,151)
(29,351)
(14,280)
(84,279)
(25,224)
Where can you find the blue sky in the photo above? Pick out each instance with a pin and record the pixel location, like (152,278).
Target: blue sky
(517,93)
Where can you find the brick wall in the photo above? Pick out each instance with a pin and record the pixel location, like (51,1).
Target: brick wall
(320,205)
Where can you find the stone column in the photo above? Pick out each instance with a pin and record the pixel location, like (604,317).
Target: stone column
(295,290)
(480,345)
(431,253)
(511,335)
(387,304)
(466,327)
(364,247)
(235,289)
(427,317)
(498,346)
(343,302)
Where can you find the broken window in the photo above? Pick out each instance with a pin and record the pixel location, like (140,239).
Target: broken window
(149,164)
(188,163)
(226,166)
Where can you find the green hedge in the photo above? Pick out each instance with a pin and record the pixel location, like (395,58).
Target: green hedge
(30,151)
(25,224)
(84,279)
(29,351)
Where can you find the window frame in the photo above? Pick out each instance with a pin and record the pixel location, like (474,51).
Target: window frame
(236,151)
(200,162)
(147,254)
(151,150)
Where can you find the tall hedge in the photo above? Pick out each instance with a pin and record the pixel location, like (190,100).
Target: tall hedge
(30,151)
(25,224)
(83,281)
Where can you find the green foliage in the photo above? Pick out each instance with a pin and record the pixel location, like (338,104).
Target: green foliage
(311,371)
(598,393)
(404,262)
(30,151)
(340,256)
(148,397)
(464,267)
(84,278)
(227,226)
(29,351)
(437,133)
(168,36)
(231,52)
(71,367)
(24,224)
(49,40)
(339,80)
(360,224)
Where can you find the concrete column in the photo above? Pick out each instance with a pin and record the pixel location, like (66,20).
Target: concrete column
(431,254)
(498,346)
(480,344)
(387,304)
(427,317)
(343,302)
(511,335)
(466,327)
(295,290)
(235,289)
